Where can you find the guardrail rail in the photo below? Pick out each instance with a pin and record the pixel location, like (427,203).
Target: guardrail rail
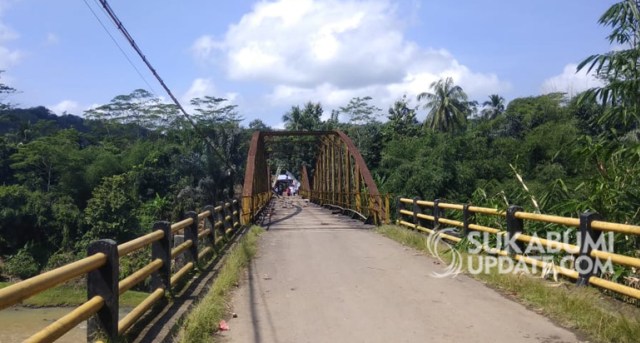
(411,213)
(204,234)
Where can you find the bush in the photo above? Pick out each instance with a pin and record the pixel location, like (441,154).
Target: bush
(21,265)
(59,259)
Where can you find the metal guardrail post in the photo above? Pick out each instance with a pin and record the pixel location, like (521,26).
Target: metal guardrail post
(161,249)
(103,282)
(437,213)
(586,265)
(514,226)
(467,218)
(191,233)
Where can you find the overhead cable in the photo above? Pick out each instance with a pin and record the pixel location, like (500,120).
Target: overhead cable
(134,45)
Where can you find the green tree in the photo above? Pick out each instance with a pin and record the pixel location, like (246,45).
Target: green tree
(4,92)
(303,119)
(401,119)
(110,212)
(493,107)
(619,68)
(140,107)
(47,160)
(258,125)
(293,119)
(447,104)
(360,111)
(215,110)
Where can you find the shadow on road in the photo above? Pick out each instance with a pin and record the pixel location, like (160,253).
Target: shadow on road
(298,210)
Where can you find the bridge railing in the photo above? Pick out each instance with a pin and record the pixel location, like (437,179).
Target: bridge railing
(204,234)
(253,205)
(430,217)
(373,207)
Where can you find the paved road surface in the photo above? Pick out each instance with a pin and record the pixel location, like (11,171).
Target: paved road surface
(319,278)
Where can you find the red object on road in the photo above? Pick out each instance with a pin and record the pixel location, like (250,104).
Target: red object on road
(223,326)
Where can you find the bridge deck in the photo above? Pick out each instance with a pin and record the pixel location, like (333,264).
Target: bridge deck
(321,278)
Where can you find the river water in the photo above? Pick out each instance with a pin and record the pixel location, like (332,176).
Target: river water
(19,323)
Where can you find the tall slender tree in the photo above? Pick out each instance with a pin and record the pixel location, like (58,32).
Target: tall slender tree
(448,106)
(293,119)
(493,107)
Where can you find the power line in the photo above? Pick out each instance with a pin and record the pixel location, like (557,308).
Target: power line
(119,47)
(135,47)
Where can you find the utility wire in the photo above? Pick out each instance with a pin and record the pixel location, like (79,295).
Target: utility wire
(119,47)
(133,44)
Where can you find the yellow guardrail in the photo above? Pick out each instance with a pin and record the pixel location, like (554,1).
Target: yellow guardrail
(253,205)
(374,207)
(413,208)
(203,232)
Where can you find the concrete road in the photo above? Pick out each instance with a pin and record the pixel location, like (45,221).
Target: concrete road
(320,278)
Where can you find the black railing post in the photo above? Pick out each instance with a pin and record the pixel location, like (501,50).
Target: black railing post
(437,213)
(103,282)
(161,249)
(220,216)
(236,208)
(212,222)
(416,210)
(227,214)
(467,218)
(514,226)
(399,207)
(191,233)
(586,265)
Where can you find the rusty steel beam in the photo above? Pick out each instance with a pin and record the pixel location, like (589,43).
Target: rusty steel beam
(338,176)
(256,190)
(366,175)
(296,133)
(305,189)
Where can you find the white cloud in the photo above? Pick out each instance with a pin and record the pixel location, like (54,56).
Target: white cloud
(570,82)
(8,56)
(68,106)
(199,88)
(330,51)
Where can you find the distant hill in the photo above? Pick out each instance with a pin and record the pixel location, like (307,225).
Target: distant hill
(14,119)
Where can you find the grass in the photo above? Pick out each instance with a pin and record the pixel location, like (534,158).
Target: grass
(203,320)
(73,295)
(584,309)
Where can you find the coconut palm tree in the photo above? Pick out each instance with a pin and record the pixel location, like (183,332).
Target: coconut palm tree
(493,107)
(293,120)
(448,106)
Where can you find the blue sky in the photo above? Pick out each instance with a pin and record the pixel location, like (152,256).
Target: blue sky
(268,55)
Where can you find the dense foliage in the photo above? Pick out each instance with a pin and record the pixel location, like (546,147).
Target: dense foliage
(65,180)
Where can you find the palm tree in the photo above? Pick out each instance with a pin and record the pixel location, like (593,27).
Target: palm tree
(448,106)
(493,107)
(293,119)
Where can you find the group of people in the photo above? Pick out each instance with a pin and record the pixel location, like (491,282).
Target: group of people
(285,190)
